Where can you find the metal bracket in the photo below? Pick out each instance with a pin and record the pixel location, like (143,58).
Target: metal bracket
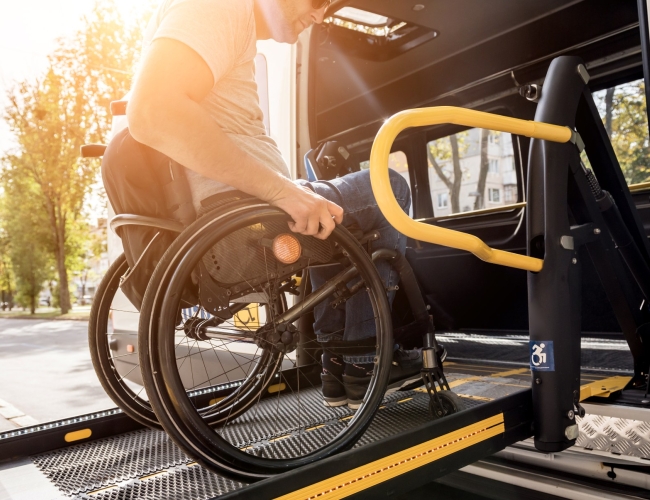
(584,74)
(341,295)
(531,92)
(567,242)
(212,296)
(585,233)
(577,140)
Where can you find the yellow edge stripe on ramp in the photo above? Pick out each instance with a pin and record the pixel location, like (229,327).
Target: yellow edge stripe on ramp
(386,468)
(603,388)
(482,378)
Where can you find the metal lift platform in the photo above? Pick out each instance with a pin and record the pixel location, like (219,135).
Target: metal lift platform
(106,456)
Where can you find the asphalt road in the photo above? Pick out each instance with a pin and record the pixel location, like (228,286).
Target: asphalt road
(46,373)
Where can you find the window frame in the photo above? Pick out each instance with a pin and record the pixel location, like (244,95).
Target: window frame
(446,200)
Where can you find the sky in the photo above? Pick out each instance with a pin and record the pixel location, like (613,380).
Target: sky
(28,31)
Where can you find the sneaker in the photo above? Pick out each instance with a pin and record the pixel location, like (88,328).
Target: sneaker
(356,379)
(332,385)
(405,364)
(355,390)
(334,393)
(442,352)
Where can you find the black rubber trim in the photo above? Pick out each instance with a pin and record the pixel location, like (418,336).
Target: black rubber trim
(51,435)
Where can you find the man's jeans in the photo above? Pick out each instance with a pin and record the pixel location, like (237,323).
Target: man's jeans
(355,320)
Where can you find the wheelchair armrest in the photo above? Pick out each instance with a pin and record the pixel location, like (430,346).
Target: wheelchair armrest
(93,150)
(141,220)
(118,108)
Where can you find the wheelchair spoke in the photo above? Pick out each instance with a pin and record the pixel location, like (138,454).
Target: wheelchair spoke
(112,309)
(125,355)
(128,373)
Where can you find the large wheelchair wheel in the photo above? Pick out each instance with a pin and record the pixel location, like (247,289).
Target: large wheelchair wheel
(112,337)
(223,375)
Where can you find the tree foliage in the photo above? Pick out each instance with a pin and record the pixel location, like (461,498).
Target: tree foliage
(7,275)
(51,118)
(623,109)
(25,243)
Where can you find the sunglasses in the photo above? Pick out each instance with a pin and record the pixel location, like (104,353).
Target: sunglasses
(319,4)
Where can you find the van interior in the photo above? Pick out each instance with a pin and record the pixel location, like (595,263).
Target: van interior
(374,58)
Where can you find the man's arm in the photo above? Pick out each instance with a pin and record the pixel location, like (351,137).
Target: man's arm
(164,113)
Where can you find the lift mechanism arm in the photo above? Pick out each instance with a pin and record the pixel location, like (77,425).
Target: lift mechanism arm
(459,116)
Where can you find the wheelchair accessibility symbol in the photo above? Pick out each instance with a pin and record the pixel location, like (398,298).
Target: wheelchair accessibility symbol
(539,356)
(542,357)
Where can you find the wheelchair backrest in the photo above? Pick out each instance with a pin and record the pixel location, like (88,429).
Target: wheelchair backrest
(141,181)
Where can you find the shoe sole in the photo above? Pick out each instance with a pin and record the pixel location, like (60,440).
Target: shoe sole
(335,404)
(406,384)
(354,405)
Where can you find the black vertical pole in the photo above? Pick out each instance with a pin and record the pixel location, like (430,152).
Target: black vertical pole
(645,50)
(554,293)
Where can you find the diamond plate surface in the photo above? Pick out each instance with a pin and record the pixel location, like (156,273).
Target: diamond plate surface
(615,435)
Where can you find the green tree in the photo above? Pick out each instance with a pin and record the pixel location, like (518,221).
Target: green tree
(99,62)
(7,274)
(56,114)
(47,119)
(623,110)
(27,248)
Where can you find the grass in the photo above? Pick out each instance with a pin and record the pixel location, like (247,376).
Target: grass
(79,313)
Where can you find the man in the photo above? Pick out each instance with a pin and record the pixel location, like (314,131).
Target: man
(195,100)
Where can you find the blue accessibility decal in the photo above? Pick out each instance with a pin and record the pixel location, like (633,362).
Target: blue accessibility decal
(542,357)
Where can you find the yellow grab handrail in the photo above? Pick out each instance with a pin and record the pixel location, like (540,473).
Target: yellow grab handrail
(439,235)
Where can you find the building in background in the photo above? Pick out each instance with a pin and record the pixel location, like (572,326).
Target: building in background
(500,175)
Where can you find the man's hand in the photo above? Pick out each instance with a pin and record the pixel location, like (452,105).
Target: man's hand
(312,214)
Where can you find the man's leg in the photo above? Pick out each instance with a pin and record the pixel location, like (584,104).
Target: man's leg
(356,320)
(329,324)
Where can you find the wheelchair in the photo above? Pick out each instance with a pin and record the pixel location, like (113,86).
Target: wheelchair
(226,360)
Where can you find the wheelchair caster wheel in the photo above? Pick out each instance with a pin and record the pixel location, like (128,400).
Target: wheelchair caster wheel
(451,403)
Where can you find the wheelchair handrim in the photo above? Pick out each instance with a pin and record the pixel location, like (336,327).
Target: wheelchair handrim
(199,432)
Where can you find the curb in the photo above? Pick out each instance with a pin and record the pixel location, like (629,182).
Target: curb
(56,318)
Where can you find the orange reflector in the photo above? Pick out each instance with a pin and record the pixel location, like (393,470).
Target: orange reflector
(130,348)
(286,248)
(277,388)
(77,435)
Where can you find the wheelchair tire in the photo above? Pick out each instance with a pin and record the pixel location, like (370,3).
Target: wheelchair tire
(108,347)
(242,445)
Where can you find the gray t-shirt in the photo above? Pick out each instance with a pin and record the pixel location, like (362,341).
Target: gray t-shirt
(222,32)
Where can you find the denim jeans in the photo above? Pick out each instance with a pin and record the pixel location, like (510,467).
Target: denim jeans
(354,320)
